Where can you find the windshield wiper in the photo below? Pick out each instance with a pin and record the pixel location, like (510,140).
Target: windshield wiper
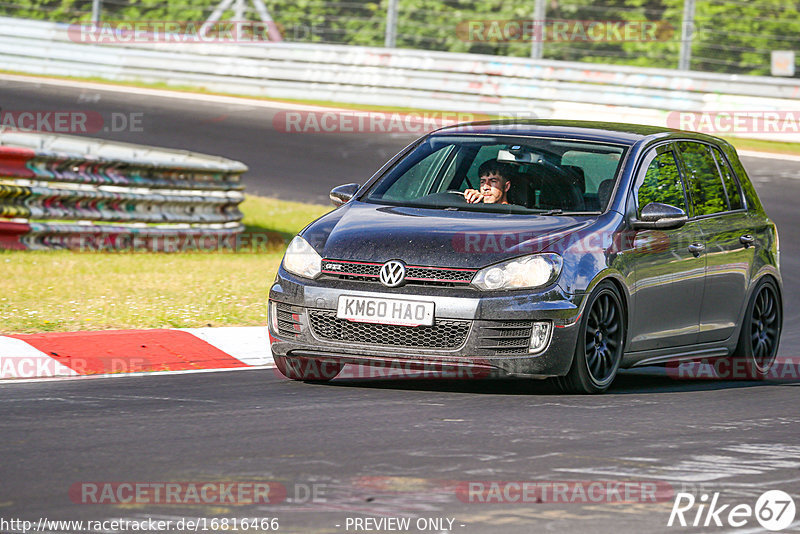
(555,211)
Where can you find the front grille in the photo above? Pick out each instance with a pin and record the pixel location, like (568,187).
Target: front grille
(288,319)
(439,274)
(443,334)
(415,274)
(351,268)
(507,337)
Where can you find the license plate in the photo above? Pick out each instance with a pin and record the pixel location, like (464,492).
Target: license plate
(385,311)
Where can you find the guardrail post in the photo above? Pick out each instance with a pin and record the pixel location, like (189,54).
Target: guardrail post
(97,5)
(238,11)
(687,34)
(391,25)
(537,40)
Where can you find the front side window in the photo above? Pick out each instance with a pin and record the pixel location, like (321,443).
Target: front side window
(533,175)
(421,177)
(662,183)
(703,180)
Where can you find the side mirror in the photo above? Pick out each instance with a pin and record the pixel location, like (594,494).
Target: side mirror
(341,194)
(661,216)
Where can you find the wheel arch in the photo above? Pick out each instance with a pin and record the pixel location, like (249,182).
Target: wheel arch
(755,284)
(618,281)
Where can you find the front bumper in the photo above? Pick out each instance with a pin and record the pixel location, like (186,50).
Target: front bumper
(478,317)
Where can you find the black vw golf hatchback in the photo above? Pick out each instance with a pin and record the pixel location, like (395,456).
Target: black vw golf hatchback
(543,249)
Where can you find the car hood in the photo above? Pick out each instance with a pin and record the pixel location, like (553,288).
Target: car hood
(433,237)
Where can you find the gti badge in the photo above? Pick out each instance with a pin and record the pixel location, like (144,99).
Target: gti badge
(393,273)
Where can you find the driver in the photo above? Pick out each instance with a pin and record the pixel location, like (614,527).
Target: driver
(495,182)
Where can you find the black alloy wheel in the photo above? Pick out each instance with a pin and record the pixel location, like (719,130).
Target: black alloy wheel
(600,343)
(761,330)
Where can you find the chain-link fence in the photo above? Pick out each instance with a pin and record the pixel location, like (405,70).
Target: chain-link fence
(730,36)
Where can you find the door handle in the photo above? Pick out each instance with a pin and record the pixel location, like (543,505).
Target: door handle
(747,240)
(697,249)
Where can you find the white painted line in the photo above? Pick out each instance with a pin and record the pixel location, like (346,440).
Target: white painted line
(165,93)
(131,375)
(248,344)
(20,360)
(767,155)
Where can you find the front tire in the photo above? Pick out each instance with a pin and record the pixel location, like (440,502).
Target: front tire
(761,331)
(306,369)
(601,340)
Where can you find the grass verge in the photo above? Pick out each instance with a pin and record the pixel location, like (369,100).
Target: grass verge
(760,145)
(66,291)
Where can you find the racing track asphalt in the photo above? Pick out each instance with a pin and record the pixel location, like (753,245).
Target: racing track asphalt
(291,166)
(384,447)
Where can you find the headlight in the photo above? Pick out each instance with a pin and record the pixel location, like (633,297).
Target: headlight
(536,270)
(301,259)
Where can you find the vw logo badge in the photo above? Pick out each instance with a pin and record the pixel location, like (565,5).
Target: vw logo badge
(393,273)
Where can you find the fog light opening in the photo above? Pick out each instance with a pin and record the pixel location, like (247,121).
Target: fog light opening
(540,337)
(273,316)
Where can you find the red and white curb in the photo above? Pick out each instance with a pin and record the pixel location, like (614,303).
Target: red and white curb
(115,352)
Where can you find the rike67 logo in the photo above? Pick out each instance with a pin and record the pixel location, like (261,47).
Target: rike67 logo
(774,510)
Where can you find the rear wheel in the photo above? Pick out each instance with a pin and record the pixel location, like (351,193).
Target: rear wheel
(307,369)
(761,331)
(601,339)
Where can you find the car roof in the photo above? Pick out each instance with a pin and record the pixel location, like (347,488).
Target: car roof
(614,132)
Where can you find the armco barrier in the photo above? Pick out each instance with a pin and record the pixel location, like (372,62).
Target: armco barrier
(411,78)
(114,196)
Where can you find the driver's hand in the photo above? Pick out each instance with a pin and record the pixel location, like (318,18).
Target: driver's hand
(473,196)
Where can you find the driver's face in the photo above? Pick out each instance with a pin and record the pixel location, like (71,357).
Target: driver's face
(493,188)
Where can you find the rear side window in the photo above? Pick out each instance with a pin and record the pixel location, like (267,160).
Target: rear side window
(731,184)
(750,196)
(662,183)
(704,182)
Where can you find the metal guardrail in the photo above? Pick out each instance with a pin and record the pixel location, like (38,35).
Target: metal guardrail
(116,196)
(409,78)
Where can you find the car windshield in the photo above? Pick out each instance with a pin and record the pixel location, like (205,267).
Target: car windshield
(504,174)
